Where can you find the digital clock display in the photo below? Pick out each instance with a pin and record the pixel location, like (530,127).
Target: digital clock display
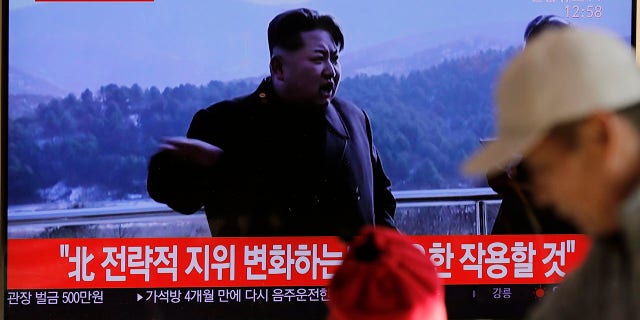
(588,11)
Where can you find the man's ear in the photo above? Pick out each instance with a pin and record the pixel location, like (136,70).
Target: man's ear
(598,128)
(276,66)
(603,132)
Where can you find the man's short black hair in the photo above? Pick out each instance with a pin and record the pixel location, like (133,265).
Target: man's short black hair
(543,22)
(284,30)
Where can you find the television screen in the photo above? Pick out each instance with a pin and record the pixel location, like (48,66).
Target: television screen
(93,87)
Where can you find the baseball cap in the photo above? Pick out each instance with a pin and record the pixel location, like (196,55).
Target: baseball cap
(384,277)
(561,76)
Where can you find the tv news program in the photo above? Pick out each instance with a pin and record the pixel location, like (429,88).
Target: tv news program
(90,88)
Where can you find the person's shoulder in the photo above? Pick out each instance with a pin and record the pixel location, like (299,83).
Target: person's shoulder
(580,286)
(240,104)
(557,303)
(222,112)
(345,105)
(230,105)
(348,108)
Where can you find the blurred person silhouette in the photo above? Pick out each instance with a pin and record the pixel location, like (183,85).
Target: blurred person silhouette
(385,277)
(541,23)
(517,213)
(569,104)
(288,159)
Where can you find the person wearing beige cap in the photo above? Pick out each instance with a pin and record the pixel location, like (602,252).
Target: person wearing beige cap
(569,105)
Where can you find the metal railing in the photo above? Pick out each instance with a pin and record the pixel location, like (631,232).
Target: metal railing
(142,211)
(472,194)
(479,197)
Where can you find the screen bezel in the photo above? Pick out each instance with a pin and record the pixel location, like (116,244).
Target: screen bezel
(4,130)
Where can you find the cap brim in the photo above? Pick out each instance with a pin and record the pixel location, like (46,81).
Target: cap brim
(496,155)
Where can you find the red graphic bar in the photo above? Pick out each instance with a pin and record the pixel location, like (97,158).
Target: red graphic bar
(274,261)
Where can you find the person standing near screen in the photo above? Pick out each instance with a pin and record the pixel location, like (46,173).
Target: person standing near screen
(570,105)
(543,23)
(287,159)
(518,214)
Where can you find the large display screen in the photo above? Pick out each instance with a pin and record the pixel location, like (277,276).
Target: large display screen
(94,86)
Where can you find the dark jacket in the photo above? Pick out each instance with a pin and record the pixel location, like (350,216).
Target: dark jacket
(286,170)
(607,283)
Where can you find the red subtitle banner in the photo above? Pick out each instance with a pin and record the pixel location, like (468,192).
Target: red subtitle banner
(274,261)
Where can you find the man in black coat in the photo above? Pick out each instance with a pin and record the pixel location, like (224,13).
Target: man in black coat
(518,213)
(288,159)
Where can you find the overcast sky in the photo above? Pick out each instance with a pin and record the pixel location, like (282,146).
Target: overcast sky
(76,45)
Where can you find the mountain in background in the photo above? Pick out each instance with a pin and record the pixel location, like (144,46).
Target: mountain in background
(168,43)
(422,56)
(26,92)
(21,82)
